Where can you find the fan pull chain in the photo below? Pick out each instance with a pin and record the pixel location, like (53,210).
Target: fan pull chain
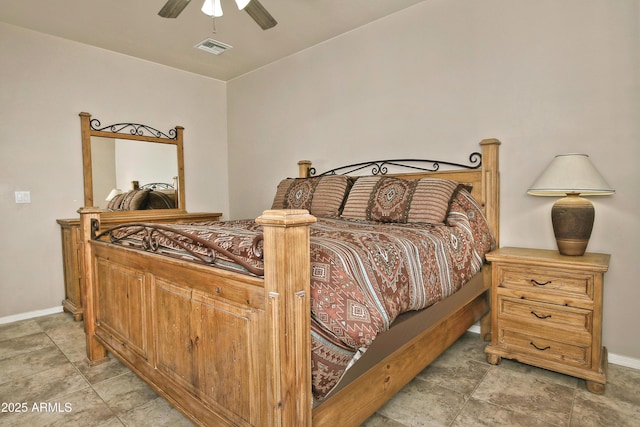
(213,24)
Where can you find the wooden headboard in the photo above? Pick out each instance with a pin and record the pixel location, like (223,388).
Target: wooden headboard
(482,175)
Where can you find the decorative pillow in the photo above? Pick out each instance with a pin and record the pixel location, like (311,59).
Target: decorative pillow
(114,204)
(131,201)
(160,200)
(465,208)
(391,199)
(135,200)
(357,203)
(431,200)
(322,196)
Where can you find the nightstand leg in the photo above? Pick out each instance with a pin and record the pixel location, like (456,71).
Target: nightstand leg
(493,359)
(598,388)
(595,388)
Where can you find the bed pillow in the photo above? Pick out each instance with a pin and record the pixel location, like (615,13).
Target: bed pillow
(464,207)
(135,200)
(391,199)
(376,198)
(114,204)
(157,199)
(431,200)
(130,201)
(322,196)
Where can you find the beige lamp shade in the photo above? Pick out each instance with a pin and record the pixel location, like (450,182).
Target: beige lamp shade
(570,173)
(572,216)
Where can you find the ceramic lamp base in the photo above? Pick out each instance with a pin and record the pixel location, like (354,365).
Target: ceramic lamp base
(572,219)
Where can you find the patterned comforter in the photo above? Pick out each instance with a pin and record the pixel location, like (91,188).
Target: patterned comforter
(364,274)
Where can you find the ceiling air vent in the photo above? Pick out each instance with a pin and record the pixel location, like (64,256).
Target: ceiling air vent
(213,46)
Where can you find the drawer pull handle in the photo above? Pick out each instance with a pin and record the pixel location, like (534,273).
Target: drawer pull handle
(540,348)
(539,316)
(535,282)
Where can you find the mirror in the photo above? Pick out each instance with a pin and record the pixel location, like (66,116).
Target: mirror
(129,166)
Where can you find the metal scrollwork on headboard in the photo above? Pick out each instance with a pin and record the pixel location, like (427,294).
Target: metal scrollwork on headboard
(133,129)
(157,186)
(379,167)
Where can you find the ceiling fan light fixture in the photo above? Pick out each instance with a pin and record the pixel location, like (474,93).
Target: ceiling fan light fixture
(242,4)
(212,8)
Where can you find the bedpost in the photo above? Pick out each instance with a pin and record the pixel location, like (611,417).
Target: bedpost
(179,195)
(491,184)
(85,130)
(303,168)
(287,293)
(491,202)
(96,353)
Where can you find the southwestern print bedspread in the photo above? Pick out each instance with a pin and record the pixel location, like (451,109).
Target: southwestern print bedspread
(363,275)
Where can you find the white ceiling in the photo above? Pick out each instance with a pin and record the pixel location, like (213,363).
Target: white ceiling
(133,27)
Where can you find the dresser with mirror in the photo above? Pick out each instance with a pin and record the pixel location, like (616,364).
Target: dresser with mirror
(135,173)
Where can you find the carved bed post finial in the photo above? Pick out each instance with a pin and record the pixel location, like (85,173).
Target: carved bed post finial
(303,168)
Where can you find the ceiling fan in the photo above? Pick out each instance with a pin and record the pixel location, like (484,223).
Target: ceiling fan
(173,8)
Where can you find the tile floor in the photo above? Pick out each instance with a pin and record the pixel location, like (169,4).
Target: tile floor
(46,381)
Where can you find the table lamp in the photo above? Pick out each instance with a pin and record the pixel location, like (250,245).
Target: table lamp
(572,216)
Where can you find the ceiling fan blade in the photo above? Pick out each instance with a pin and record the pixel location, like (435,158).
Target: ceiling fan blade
(173,8)
(259,14)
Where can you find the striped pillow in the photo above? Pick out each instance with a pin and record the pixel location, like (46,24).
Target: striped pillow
(431,200)
(322,196)
(357,203)
(390,199)
(131,201)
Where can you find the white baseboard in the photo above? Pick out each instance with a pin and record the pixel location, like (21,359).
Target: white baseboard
(616,359)
(475,329)
(30,315)
(628,362)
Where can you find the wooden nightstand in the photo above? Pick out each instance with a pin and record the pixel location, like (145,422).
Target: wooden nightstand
(547,312)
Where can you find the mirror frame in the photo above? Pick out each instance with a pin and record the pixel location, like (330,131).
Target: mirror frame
(130,131)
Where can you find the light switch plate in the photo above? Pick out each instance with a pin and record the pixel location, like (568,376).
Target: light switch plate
(23,197)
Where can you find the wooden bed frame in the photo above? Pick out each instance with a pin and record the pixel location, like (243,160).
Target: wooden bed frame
(232,349)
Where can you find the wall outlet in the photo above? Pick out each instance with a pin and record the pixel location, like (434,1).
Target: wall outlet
(23,196)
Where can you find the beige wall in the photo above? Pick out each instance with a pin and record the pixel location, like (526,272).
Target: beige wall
(46,82)
(545,77)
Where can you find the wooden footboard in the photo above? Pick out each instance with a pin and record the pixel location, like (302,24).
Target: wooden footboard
(224,348)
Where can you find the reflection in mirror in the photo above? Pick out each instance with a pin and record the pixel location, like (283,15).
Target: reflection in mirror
(129,166)
(120,166)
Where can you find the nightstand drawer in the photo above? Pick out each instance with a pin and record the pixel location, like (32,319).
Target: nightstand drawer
(545,349)
(541,316)
(547,284)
